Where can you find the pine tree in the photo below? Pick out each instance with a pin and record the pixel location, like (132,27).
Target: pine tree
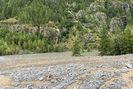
(128,40)
(104,42)
(76,49)
(117,40)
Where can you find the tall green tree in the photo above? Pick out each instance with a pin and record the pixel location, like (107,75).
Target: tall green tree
(104,41)
(76,50)
(117,40)
(128,40)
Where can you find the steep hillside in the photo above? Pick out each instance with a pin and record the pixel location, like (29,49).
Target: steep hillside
(54,25)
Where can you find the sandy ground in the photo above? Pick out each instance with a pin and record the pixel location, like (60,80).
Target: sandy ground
(4,81)
(90,62)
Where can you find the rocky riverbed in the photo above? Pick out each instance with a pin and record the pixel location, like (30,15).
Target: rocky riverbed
(106,72)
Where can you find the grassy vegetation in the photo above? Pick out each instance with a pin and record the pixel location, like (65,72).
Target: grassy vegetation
(54,54)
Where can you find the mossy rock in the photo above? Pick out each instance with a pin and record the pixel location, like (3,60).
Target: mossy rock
(95,6)
(9,21)
(100,16)
(120,4)
(121,22)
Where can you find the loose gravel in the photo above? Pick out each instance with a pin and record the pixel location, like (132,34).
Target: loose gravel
(92,74)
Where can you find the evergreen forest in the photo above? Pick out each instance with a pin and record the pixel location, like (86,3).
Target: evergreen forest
(39,26)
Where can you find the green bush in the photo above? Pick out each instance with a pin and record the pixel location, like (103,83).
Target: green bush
(24,52)
(88,49)
(92,46)
(58,48)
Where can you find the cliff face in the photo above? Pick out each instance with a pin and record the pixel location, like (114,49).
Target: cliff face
(49,30)
(14,25)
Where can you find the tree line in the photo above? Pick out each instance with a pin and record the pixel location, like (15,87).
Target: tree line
(13,42)
(116,43)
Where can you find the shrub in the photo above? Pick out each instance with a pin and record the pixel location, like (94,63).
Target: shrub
(58,48)
(24,52)
(92,46)
(88,49)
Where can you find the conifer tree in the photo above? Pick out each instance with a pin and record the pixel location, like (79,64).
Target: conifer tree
(104,41)
(117,40)
(128,40)
(76,50)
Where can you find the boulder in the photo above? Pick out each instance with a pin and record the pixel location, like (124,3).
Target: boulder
(128,65)
(95,6)
(120,4)
(9,22)
(100,16)
(41,78)
(121,22)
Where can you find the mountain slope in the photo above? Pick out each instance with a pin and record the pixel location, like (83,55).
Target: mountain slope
(62,22)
